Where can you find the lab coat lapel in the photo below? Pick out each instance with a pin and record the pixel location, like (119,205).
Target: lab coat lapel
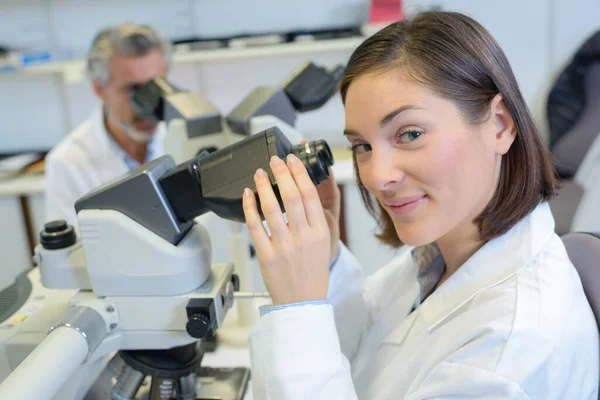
(496,261)
(393,323)
(397,335)
(397,320)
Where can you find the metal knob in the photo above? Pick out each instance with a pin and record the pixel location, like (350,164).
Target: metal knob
(198,326)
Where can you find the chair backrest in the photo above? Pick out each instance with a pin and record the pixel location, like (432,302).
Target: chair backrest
(584,252)
(564,206)
(569,151)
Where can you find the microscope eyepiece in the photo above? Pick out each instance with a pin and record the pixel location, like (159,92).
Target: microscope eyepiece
(148,100)
(215,181)
(316,157)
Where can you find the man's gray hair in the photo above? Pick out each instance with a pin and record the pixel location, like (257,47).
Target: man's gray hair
(129,40)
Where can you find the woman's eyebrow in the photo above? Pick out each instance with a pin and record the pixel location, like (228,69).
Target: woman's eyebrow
(389,117)
(350,132)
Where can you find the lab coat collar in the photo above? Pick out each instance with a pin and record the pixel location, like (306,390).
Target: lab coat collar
(101,135)
(496,261)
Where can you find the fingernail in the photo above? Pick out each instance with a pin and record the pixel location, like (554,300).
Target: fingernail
(260,173)
(275,160)
(292,159)
(247,193)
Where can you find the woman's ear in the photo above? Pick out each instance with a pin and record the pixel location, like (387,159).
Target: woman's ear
(506,130)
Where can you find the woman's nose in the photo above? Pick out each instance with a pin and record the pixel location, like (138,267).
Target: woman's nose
(383,172)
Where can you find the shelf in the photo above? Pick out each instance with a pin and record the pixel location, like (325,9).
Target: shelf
(73,71)
(23,185)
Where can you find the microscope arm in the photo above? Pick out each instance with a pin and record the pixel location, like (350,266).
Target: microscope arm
(56,359)
(47,368)
(307,89)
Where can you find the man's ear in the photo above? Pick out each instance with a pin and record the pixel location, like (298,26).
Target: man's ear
(98,89)
(506,130)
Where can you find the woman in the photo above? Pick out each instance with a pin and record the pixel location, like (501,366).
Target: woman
(487,304)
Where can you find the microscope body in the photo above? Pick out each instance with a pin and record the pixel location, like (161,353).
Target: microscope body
(147,274)
(142,278)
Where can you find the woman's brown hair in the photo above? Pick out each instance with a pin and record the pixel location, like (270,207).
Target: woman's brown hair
(458,59)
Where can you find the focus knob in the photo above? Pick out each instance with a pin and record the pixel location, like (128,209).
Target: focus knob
(198,326)
(235,281)
(57,235)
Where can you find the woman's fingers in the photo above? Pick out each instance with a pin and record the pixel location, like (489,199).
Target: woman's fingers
(308,192)
(294,260)
(255,227)
(270,206)
(292,200)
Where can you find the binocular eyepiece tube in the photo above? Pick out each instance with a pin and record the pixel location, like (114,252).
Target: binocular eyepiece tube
(316,157)
(215,182)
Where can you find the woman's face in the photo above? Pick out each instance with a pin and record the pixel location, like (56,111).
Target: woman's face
(429,169)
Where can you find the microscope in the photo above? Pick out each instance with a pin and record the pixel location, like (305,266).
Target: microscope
(136,290)
(195,125)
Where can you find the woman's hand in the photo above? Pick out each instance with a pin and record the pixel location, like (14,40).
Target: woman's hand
(294,261)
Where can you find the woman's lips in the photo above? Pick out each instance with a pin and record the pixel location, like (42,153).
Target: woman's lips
(405,205)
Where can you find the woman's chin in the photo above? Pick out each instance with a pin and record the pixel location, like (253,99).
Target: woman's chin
(415,235)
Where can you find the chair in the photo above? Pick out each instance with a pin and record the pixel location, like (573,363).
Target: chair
(584,252)
(574,125)
(564,206)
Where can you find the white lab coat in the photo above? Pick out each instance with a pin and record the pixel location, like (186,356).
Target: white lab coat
(84,160)
(511,323)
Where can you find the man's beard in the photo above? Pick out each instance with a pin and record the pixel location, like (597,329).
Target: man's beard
(137,135)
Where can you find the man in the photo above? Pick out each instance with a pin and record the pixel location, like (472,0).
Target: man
(114,140)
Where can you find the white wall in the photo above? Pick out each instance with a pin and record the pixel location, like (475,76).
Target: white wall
(572,22)
(537,36)
(32,111)
(75,23)
(23,24)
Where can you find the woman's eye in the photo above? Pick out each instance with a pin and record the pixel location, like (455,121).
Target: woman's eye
(359,148)
(409,136)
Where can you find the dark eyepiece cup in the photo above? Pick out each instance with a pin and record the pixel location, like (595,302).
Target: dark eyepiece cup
(316,157)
